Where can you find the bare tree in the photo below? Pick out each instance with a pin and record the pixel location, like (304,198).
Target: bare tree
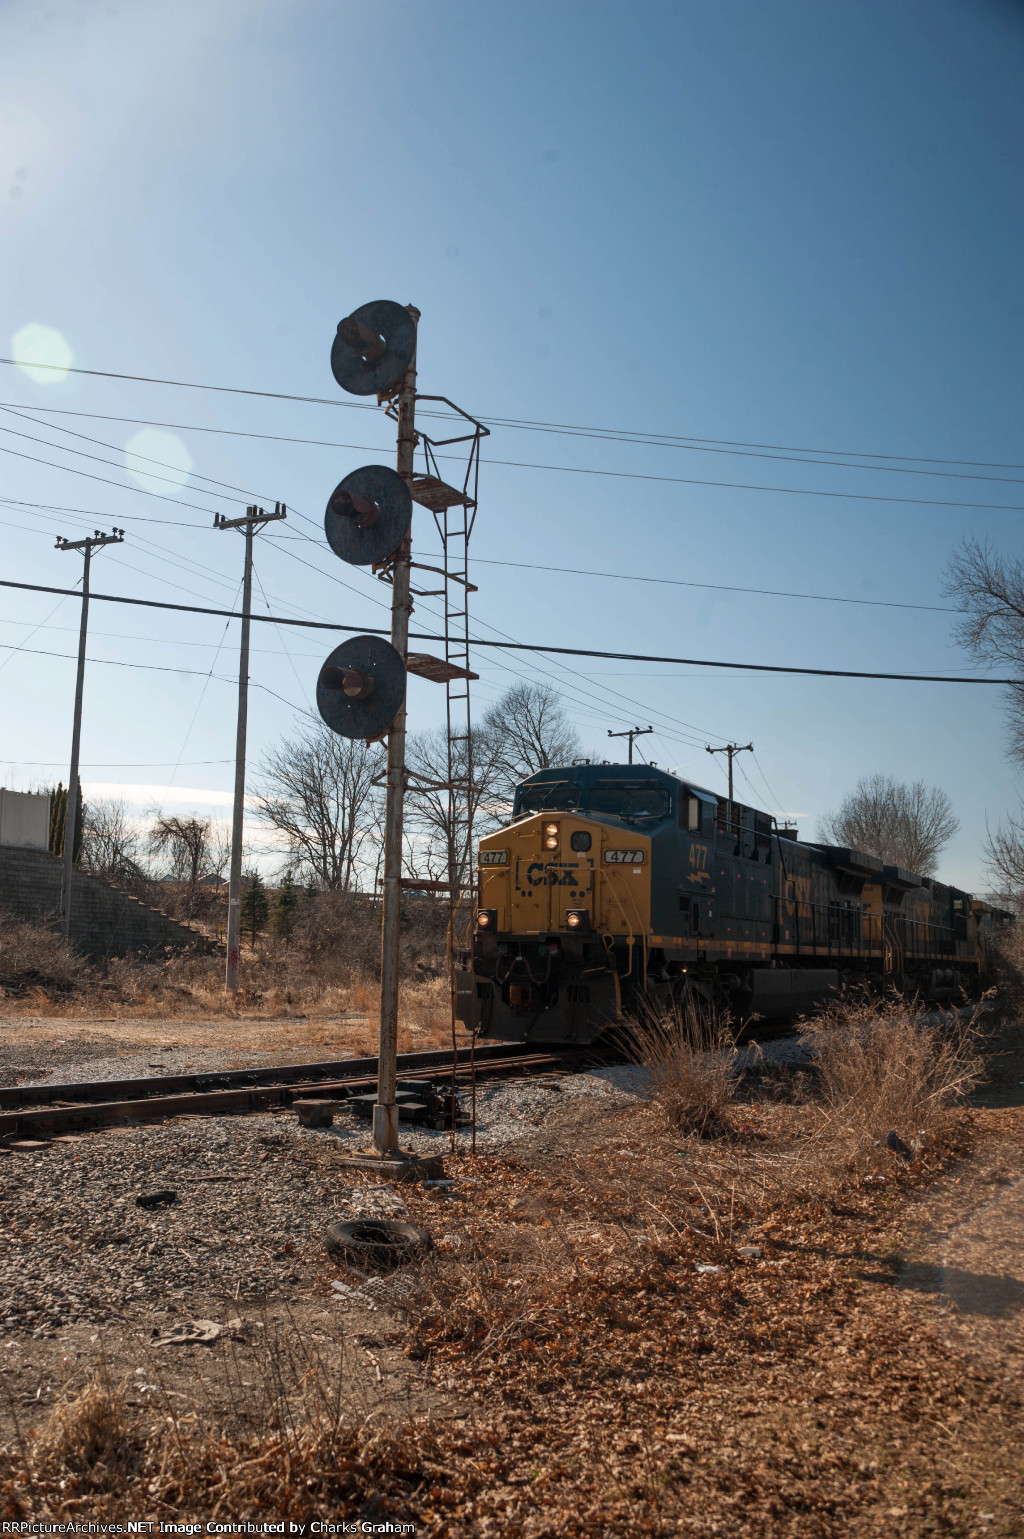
(110,842)
(1004,859)
(527,730)
(318,791)
(428,821)
(904,825)
(990,591)
(187,843)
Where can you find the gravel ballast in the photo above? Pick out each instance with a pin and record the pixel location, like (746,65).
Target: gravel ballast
(254,1194)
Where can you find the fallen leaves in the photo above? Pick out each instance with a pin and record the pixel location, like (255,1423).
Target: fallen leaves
(629,1374)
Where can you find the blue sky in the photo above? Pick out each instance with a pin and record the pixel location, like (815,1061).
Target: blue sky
(793,224)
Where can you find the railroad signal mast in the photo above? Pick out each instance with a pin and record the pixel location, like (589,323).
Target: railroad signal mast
(361,687)
(94,541)
(731,750)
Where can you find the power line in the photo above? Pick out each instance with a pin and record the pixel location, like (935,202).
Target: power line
(293,556)
(139,491)
(522,423)
(58,763)
(129,518)
(676,582)
(666,721)
(42,625)
(56,427)
(600,435)
(513,646)
(771,791)
(576,470)
(112,662)
(571,470)
(337,580)
(722,587)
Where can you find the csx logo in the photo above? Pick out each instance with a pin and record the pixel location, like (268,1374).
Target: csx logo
(539,875)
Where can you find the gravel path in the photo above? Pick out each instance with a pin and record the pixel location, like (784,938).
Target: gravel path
(159,1060)
(253,1193)
(42,1051)
(253,1197)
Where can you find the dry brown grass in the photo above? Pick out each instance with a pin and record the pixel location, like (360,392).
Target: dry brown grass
(300,1435)
(626,1369)
(35,956)
(324,971)
(884,1067)
(690,1055)
(345,1025)
(89,1433)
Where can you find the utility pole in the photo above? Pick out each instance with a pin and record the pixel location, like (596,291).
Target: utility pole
(732,749)
(254,519)
(385,1112)
(94,542)
(631,734)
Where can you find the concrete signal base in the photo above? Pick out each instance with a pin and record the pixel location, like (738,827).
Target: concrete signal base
(403,1165)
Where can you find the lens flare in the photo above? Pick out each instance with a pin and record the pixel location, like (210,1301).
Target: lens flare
(43,352)
(157,461)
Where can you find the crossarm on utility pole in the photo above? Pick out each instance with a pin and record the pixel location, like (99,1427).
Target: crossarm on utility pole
(731,750)
(631,733)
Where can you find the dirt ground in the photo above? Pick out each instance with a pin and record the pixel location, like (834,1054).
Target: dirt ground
(619,1331)
(35,1045)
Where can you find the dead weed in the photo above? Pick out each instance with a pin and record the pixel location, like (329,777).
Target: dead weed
(887,1072)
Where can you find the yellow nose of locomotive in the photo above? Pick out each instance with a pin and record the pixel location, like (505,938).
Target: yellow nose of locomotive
(564,874)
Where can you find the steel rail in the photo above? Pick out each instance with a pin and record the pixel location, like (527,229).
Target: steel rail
(46,1109)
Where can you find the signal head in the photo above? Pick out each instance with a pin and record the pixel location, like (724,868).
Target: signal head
(361,687)
(373,348)
(368,515)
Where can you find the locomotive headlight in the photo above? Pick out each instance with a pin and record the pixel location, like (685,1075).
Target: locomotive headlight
(551,836)
(487,919)
(577,919)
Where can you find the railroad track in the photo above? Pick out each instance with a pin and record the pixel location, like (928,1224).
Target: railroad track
(39,1110)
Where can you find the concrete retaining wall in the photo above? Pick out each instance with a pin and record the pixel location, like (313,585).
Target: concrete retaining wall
(105,922)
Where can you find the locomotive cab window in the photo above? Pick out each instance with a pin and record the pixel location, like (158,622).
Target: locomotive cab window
(546,796)
(639,802)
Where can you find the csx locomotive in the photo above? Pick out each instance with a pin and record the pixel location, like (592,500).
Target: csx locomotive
(615,884)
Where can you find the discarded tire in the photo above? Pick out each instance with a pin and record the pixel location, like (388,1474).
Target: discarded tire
(376,1242)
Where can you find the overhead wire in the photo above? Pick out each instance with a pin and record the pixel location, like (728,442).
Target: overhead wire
(794,491)
(294,556)
(191,475)
(149,764)
(523,423)
(41,625)
(202,694)
(678,582)
(525,646)
(204,492)
(638,439)
(771,791)
(284,644)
